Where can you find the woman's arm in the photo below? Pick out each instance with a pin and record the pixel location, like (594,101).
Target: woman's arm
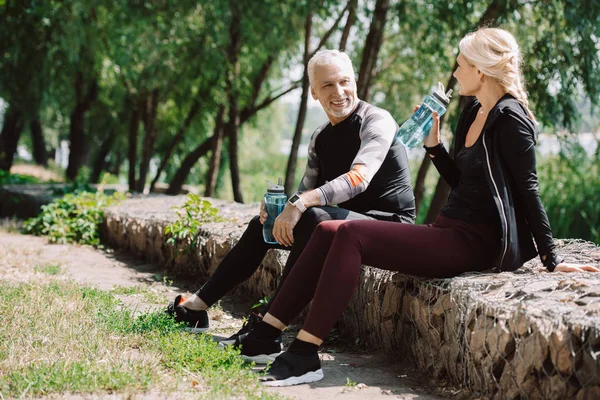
(439,156)
(518,153)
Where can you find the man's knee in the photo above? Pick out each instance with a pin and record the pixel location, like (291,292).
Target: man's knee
(254,226)
(313,216)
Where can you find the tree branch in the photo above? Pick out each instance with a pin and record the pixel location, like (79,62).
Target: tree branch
(331,30)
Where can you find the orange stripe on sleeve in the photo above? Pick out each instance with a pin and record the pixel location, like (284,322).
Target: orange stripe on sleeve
(356,176)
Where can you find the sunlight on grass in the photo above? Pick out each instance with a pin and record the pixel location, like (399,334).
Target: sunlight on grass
(68,338)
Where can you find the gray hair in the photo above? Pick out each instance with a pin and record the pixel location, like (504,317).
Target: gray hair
(327,57)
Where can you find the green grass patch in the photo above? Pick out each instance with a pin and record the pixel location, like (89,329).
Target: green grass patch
(49,269)
(145,292)
(68,338)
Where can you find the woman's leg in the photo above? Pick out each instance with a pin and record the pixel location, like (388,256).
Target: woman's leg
(421,250)
(300,285)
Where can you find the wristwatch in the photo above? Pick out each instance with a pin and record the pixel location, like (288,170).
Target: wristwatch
(296,202)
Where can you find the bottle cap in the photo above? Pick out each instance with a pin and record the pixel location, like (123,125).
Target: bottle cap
(273,188)
(440,94)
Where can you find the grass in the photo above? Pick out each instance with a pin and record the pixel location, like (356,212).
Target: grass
(145,292)
(69,338)
(49,269)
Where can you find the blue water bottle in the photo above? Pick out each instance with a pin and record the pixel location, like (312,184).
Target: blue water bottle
(275,200)
(417,127)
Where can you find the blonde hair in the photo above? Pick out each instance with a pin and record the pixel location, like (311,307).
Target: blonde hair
(495,52)
(327,57)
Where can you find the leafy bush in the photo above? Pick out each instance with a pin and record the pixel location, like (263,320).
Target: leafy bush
(72,219)
(570,189)
(192,215)
(6,178)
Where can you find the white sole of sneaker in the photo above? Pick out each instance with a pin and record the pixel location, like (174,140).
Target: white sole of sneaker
(309,377)
(197,330)
(262,358)
(224,343)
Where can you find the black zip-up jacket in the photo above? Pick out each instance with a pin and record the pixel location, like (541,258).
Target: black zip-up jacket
(509,137)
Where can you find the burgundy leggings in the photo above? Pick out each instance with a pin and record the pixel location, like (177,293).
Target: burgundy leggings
(327,272)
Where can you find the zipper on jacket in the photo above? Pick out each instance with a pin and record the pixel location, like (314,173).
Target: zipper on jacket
(505,228)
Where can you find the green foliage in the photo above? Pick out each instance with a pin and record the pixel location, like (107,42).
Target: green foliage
(74,218)
(570,189)
(6,178)
(75,186)
(192,215)
(262,302)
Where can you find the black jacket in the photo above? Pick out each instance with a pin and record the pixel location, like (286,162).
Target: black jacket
(509,137)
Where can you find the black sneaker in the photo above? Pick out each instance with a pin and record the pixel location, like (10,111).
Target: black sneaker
(197,321)
(257,350)
(250,323)
(290,369)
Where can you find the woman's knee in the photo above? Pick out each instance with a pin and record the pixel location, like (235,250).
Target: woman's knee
(349,232)
(326,230)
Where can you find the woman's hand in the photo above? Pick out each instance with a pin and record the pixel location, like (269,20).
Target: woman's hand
(433,139)
(571,267)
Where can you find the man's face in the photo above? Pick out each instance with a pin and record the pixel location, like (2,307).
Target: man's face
(334,87)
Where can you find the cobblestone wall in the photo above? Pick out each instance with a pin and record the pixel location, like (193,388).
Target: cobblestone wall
(528,334)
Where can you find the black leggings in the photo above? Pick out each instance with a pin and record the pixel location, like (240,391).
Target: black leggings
(245,257)
(328,270)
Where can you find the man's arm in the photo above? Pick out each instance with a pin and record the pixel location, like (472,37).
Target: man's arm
(376,135)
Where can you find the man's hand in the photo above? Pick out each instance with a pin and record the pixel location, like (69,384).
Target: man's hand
(571,267)
(283,230)
(262,215)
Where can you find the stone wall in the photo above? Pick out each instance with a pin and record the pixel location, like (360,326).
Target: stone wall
(527,334)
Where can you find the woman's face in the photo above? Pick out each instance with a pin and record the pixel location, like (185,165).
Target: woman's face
(468,77)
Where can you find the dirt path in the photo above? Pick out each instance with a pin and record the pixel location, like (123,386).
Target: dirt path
(348,375)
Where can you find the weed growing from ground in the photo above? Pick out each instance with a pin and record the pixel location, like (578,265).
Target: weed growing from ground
(192,215)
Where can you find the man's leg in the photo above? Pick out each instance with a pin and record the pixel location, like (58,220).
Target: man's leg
(237,266)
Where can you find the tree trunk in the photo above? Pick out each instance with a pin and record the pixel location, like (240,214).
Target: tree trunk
(215,159)
(9,137)
(420,182)
(187,164)
(134,124)
(77,139)
(371,48)
(115,166)
(293,159)
(353,4)
(40,155)
(148,118)
(442,190)
(181,132)
(99,163)
(233,56)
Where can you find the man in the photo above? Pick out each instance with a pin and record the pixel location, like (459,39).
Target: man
(354,162)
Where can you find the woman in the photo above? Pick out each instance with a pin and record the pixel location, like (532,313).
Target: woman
(492,213)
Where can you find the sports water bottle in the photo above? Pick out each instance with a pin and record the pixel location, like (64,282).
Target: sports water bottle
(275,200)
(417,127)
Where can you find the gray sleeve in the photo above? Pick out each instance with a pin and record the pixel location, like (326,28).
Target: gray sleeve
(376,134)
(309,180)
